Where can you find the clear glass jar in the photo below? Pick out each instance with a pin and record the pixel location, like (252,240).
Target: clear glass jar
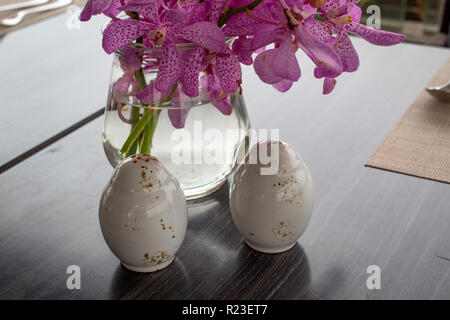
(201,153)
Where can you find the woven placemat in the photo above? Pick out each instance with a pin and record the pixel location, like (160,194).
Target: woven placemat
(32,18)
(419,144)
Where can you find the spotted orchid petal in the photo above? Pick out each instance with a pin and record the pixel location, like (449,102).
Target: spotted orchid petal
(113,9)
(375,36)
(319,29)
(323,55)
(129,60)
(121,32)
(170,68)
(241,24)
(335,7)
(229,72)
(205,34)
(148,9)
(224,105)
(328,85)
(212,91)
(243,50)
(191,71)
(150,95)
(174,18)
(347,53)
(94,7)
(216,9)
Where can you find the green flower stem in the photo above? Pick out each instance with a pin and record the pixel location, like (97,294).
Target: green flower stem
(149,131)
(227,15)
(134,118)
(145,144)
(135,132)
(139,74)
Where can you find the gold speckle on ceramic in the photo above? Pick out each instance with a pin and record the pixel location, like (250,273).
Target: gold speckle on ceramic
(158,258)
(289,190)
(284,231)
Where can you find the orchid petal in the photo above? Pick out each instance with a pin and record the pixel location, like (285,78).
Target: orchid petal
(178,117)
(121,32)
(263,67)
(283,85)
(356,14)
(318,29)
(122,85)
(148,9)
(213,92)
(216,10)
(229,72)
(205,34)
(242,49)
(344,48)
(286,64)
(241,24)
(328,85)
(374,36)
(169,69)
(129,60)
(174,17)
(223,106)
(190,76)
(150,95)
(86,13)
(113,9)
(94,7)
(328,63)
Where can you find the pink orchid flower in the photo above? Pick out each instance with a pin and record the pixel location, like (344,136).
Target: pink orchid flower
(162,29)
(94,7)
(286,25)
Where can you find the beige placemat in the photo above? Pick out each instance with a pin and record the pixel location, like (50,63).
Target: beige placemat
(32,18)
(419,144)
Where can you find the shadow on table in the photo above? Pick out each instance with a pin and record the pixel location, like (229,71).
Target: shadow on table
(170,283)
(256,275)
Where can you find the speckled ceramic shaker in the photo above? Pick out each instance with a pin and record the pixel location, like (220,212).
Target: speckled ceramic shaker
(272,208)
(143,214)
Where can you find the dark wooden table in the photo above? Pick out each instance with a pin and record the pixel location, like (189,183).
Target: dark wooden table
(362,217)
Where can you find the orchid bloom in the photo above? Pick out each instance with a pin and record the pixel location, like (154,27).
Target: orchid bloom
(129,62)
(162,30)
(94,7)
(342,16)
(286,27)
(190,37)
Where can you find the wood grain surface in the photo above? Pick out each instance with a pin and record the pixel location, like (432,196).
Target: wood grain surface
(50,77)
(362,216)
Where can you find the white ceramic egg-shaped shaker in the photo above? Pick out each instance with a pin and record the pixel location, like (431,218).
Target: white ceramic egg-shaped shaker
(271,204)
(143,214)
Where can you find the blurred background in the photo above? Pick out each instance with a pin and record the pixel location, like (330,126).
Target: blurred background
(423,21)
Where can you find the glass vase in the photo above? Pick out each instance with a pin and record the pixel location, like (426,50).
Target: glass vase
(197,139)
